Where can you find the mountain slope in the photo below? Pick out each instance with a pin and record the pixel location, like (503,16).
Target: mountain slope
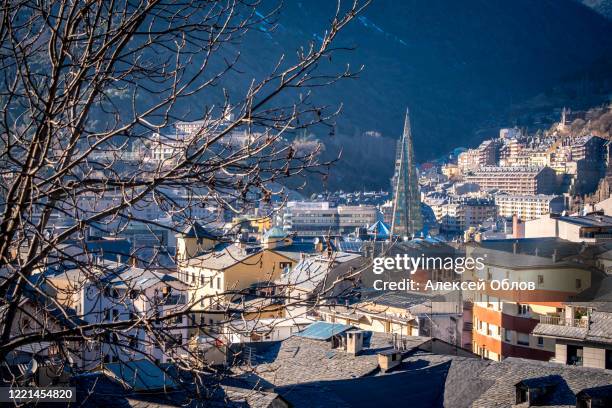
(460,66)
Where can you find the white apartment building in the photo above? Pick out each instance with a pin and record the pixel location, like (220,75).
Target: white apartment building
(321,218)
(122,292)
(528,207)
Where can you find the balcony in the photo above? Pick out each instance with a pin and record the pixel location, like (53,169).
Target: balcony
(562,321)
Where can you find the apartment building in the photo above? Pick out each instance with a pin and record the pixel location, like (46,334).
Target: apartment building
(503,319)
(403,314)
(591,228)
(528,207)
(516,180)
(319,218)
(484,155)
(122,292)
(582,332)
(219,273)
(459,214)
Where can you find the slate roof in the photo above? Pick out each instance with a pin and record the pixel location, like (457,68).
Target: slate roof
(197,230)
(599,330)
(483,383)
(97,390)
(300,360)
(588,220)
(311,272)
(141,375)
(501,252)
(404,389)
(225,256)
(570,381)
(565,332)
(223,396)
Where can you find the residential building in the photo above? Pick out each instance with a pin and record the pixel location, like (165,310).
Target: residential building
(321,218)
(591,228)
(458,214)
(503,320)
(264,329)
(516,180)
(582,334)
(468,161)
(486,154)
(121,292)
(330,274)
(528,207)
(221,272)
(402,313)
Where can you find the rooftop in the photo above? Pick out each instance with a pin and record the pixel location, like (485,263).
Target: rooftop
(591,220)
(301,359)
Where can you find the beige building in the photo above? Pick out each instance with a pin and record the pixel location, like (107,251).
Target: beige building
(582,334)
(503,319)
(528,207)
(516,180)
(219,273)
(586,228)
(402,314)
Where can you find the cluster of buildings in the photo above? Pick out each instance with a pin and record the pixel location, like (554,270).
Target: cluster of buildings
(284,303)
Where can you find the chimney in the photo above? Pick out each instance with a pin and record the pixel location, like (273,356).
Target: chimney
(518,228)
(389,359)
(354,341)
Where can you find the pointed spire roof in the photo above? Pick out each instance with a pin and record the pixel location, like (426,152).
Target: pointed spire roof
(407,130)
(407,218)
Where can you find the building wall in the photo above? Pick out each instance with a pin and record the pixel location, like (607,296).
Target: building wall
(594,356)
(260,267)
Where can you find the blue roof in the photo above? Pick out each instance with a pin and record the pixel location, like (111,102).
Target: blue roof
(323,330)
(380,228)
(141,375)
(275,232)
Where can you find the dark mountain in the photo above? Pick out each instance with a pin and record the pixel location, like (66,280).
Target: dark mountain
(463,67)
(603,7)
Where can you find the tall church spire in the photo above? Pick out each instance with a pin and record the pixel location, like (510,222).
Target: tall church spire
(407,217)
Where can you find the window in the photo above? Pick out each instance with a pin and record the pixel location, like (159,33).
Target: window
(284,265)
(578,283)
(508,336)
(523,309)
(540,279)
(523,339)
(115,314)
(219,283)
(540,341)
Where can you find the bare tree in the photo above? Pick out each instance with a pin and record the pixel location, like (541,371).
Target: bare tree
(94,97)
